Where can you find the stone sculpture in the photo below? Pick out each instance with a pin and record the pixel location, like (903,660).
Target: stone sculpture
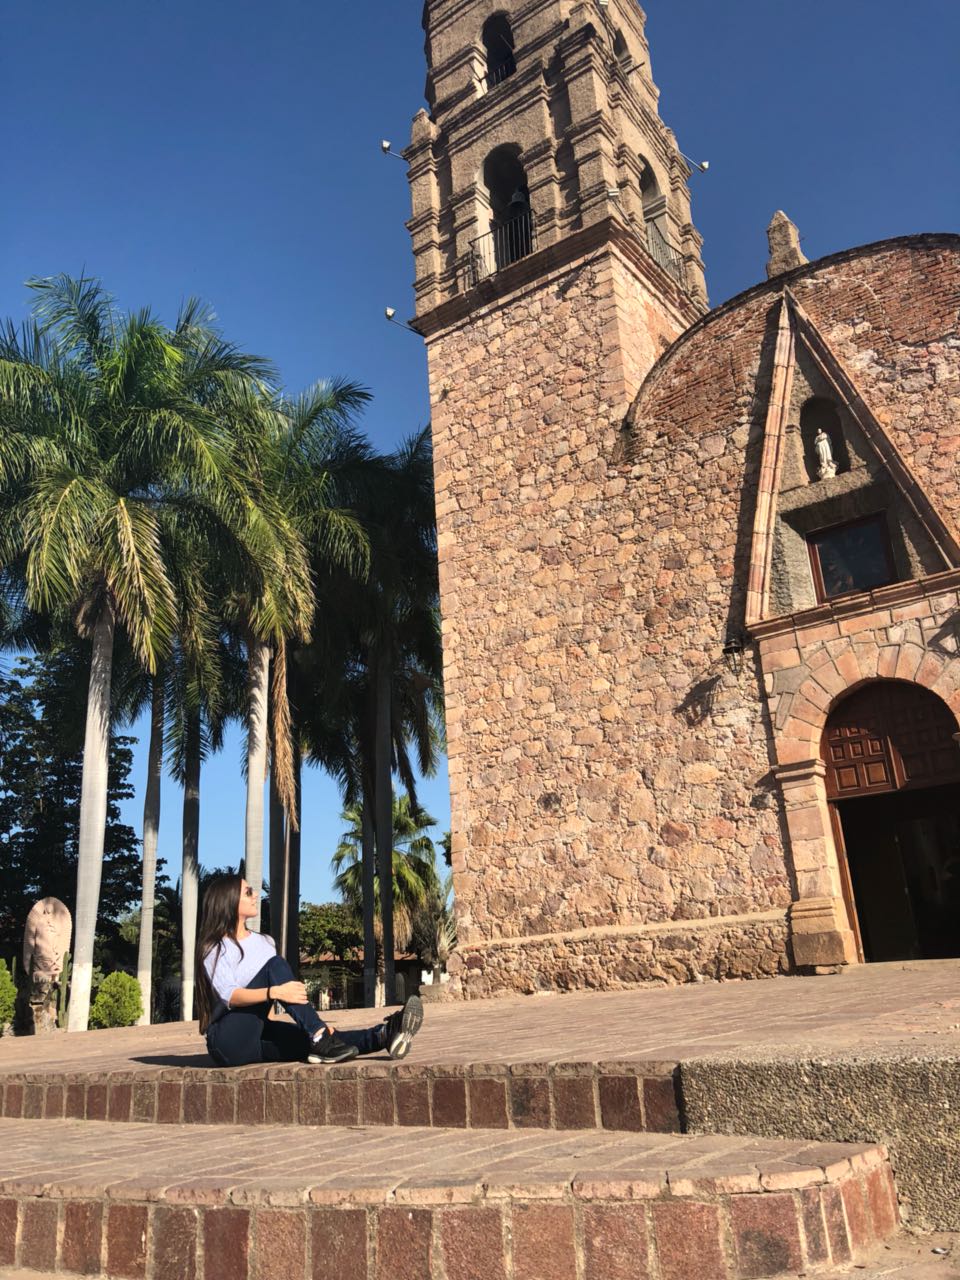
(46,942)
(826,462)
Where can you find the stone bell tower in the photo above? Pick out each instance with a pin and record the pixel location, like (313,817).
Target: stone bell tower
(555,262)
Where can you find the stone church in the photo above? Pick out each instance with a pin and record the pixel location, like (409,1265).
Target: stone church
(700,569)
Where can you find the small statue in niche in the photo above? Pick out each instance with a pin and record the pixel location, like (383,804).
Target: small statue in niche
(826,462)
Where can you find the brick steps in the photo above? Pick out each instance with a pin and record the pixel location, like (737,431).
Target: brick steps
(224,1202)
(635,1096)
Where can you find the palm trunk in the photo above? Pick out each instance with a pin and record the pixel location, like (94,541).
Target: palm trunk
(189,885)
(258,659)
(277,856)
(151,831)
(291,897)
(93,818)
(368,871)
(379,998)
(383,818)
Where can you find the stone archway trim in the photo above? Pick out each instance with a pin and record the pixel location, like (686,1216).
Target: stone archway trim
(891,636)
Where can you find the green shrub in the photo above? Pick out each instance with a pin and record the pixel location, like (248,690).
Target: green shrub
(118,1002)
(8,996)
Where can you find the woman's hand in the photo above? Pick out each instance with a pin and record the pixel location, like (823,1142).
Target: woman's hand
(289,993)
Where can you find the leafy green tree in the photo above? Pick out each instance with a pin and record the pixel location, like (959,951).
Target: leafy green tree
(117,1002)
(8,996)
(330,928)
(446,848)
(41,769)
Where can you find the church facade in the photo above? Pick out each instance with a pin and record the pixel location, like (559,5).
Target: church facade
(700,569)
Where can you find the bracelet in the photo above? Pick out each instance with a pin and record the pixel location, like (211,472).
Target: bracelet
(269,997)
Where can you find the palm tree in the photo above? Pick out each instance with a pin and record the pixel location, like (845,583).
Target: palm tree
(290,450)
(394,613)
(337,725)
(98,435)
(403,600)
(304,448)
(136,691)
(435,928)
(414,877)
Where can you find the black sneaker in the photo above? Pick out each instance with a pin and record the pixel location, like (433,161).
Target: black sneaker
(330,1048)
(400,1028)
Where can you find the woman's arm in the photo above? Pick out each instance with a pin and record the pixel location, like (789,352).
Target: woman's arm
(287,992)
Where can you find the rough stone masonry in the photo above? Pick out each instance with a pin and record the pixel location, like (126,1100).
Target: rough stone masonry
(623,484)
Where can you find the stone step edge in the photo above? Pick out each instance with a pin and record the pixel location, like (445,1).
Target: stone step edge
(736,1235)
(635,1097)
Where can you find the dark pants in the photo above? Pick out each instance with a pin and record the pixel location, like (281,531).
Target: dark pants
(244,1036)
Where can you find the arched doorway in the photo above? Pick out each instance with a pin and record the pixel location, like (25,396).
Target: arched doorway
(893,783)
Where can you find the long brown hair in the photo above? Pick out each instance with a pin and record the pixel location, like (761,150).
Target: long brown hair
(218,920)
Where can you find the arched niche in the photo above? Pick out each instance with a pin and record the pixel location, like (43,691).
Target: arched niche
(821,414)
(620,50)
(498,43)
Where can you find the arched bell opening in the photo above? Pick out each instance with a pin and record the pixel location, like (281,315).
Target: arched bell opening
(620,50)
(511,218)
(892,764)
(498,43)
(656,223)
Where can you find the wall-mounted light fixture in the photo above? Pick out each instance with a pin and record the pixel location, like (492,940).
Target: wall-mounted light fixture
(733,652)
(387,148)
(702,165)
(390,313)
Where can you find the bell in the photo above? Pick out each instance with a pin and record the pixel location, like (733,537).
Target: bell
(519,200)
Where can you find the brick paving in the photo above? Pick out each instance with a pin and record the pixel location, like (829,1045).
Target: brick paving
(909,1258)
(219,1163)
(493,1077)
(868,1008)
(362,1204)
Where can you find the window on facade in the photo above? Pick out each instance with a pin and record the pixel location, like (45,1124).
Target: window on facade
(498,42)
(851,557)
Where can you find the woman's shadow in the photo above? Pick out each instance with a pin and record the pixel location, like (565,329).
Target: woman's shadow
(176,1060)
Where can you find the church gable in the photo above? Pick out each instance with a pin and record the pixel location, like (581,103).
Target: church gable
(839,511)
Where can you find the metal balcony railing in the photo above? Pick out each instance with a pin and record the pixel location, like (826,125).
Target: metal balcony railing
(506,243)
(498,73)
(663,252)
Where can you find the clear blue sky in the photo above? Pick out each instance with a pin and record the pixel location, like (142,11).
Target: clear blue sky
(229,149)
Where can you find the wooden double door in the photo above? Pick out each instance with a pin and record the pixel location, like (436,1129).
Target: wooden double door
(893,782)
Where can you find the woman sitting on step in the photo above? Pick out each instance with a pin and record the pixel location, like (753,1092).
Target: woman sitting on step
(239,975)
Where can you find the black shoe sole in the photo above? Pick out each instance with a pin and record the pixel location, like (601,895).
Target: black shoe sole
(341,1055)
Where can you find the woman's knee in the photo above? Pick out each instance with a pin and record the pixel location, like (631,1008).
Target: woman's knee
(277,967)
(275,971)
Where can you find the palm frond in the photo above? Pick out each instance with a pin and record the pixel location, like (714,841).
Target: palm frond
(78,312)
